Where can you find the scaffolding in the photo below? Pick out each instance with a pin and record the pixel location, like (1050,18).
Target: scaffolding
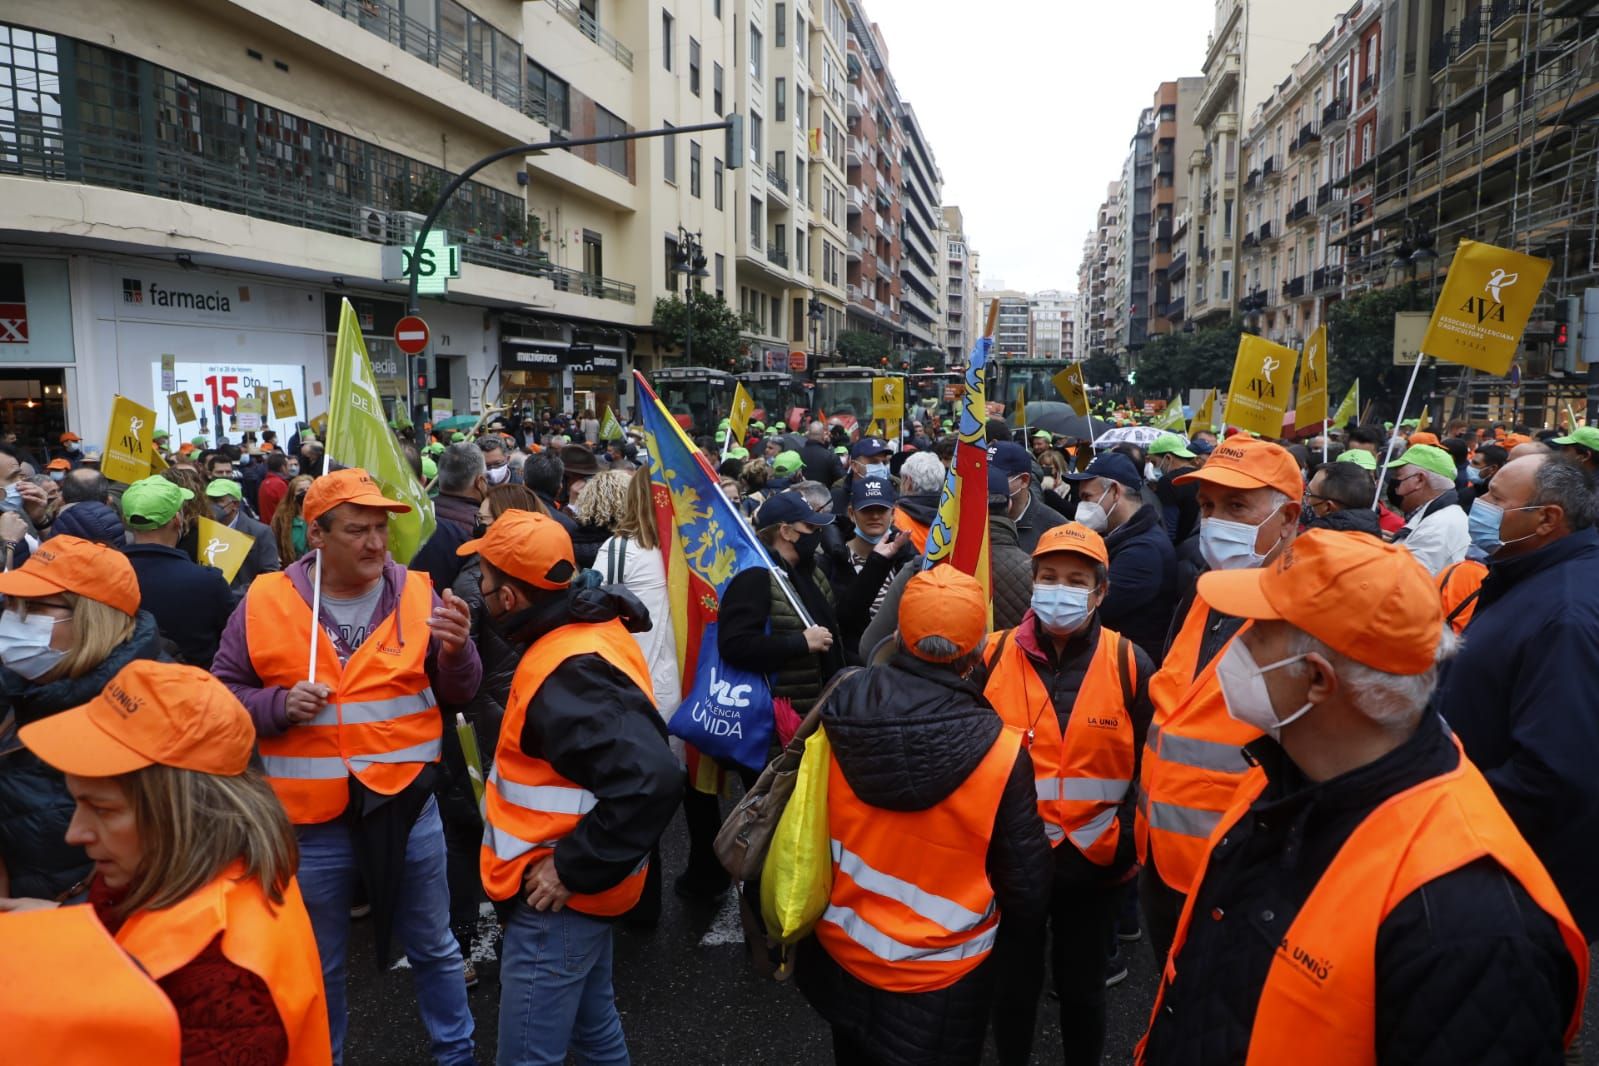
(1506,153)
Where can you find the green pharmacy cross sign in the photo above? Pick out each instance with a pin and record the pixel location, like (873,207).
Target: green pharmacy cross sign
(439,262)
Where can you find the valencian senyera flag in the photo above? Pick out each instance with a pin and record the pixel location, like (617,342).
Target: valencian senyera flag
(705,542)
(358,435)
(959,534)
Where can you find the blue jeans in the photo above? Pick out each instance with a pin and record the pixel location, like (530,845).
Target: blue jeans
(555,991)
(421,924)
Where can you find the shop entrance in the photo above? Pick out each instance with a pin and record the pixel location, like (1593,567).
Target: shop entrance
(33,405)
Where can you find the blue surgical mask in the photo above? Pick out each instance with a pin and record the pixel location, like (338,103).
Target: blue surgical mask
(877,470)
(1483,524)
(1473,475)
(1230,545)
(868,538)
(1061,609)
(13,498)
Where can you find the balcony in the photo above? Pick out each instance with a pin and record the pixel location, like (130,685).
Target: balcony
(777,255)
(857,199)
(1265,233)
(382,19)
(1301,209)
(1178,266)
(588,27)
(1326,278)
(1220,85)
(1308,135)
(776,180)
(1204,254)
(1508,17)
(1251,240)
(1334,114)
(1368,85)
(567,280)
(1293,290)
(1269,171)
(1175,308)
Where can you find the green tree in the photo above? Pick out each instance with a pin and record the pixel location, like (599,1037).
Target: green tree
(859,347)
(1102,369)
(718,330)
(1360,344)
(1175,362)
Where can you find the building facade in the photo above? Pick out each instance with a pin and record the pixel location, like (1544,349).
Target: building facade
(1013,327)
(962,309)
(1174,137)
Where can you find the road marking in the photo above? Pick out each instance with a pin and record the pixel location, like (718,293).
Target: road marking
(727,928)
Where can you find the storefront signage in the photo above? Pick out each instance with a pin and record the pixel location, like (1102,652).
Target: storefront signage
(35,312)
(439,262)
(234,389)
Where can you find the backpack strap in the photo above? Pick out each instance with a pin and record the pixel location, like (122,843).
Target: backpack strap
(1125,668)
(615,561)
(1461,606)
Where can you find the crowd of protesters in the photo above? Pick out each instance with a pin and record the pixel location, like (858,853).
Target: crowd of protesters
(1211,700)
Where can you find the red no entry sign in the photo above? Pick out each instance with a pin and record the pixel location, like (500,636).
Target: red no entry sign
(411,334)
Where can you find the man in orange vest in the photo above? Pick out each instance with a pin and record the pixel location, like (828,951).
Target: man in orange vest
(1079,694)
(351,744)
(1366,899)
(582,787)
(1249,502)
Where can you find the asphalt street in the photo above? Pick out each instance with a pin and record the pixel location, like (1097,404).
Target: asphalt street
(688,998)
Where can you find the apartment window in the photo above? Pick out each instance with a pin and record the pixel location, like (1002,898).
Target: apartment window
(593,253)
(693,66)
(782,98)
(781,27)
(799,107)
(612,156)
(836,26)
(716,8)
(780,163)
(755,221)
(716,183)
(799,247)
(755,53)
(800,193)
(548,98)
(716,88)
(694,169)
(755,138)
(671,267)
(800,39)
(780,241)
(796,320)
(721,275)
(669,155)
(1227,219)
(668,24)
(1226,284)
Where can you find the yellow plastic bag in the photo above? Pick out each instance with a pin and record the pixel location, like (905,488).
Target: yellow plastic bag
(797,878)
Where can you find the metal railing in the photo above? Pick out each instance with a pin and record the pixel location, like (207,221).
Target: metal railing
(588,27)
(1337,111)
(775,179)
(383,19)
(777,255)
(1294,289)
(1265,232)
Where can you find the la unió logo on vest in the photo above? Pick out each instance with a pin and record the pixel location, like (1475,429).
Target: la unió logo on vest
(1315,967)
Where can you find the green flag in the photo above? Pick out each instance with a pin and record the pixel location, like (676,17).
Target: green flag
(358,436)
(610,428)
(1347,409)
(1172,417)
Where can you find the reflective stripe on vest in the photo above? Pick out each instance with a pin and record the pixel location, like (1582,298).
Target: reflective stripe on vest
(1080,775)
(272,941)
(528,806)
(911,908)
(381,722)
(1193,756)
(1326,1016)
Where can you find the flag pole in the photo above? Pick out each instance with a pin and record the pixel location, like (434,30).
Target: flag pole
(1388,449)
(316,613)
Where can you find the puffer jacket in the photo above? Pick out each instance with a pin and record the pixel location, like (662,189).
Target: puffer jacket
(1012,572)
(34,805)
(906,735)
(759,630)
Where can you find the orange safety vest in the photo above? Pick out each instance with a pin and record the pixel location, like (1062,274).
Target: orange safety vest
(911,908)
(1458,587)
(1316,1007)
(381,722)
(1193,757)
(69,996)
(529,807)
(274,942)
(917,531)
(1083,777)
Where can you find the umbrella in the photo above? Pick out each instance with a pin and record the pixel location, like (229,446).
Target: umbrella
(1139,435)
(456,423)
(1058,418)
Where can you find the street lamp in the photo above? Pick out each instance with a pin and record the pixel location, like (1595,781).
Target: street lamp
(815,315)
(689,260)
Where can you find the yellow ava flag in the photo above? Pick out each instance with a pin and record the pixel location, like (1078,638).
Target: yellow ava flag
(182,408)
(128,442)
(1310,409)
(1205,415)
(1258,396)
(739,417)
(224,548)
(1350,407)
(1483,310)
(1069,383)
(888,400)
(1020,413)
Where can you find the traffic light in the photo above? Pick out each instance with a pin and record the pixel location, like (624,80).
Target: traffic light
(735,142)
(420,373)
(1565,354)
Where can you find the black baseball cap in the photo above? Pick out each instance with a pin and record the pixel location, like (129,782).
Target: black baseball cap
(1010,457)
(1113,465)
(789,507)
(871,492)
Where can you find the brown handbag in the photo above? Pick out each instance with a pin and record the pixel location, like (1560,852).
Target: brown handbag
(742,841)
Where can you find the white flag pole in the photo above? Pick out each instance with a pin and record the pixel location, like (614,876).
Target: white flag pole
(316,614)
(1388,451)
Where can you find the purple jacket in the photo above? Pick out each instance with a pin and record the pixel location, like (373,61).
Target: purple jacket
(455,678)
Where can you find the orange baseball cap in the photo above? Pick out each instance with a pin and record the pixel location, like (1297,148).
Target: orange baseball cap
(84,567)
(150,713)
(58,464)
(186,447)
(347,486)
(1424,437)
(69,436)
(943,602)
(529,546)
(1073,537)
(1245,462)
(1362,598)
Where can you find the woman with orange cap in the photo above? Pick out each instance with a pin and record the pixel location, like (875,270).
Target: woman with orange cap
(194,862)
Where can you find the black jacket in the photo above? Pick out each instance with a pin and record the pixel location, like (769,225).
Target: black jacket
(855,592)
(457,516)
(906,735)
(586,541)
(1468,968)
(34,805)
(591,723)
(1143,580)
(191,603)
(821,463)
(1032,523)
(744,635)
(1179,504)
(1524,702)
(1348,520)
(1011,569)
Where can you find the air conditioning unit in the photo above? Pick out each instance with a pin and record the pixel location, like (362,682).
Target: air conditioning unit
(371,224)
(404,226)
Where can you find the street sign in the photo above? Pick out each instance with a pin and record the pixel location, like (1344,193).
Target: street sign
(797,362)
(411,335)
(439,263)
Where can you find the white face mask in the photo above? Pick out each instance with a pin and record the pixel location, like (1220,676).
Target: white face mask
(1231,545)
(25,643)
(498,474)
(1243,687)
(1094,514)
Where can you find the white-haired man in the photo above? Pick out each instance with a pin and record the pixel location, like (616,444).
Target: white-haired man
(1422,483)
(1366,899)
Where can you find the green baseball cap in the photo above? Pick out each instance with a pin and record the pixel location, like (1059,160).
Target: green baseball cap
(1044,435)
(153,502)
(160,434)
(1428,457)
(457,438)
(841,451)
(198,442)
(787,463)
(1586,436)
(223,486)
(736,453)
(1170,444)
(1363,459)
(433,449)
(430,469)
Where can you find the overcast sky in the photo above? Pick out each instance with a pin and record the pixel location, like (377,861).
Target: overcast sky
(1029,106)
